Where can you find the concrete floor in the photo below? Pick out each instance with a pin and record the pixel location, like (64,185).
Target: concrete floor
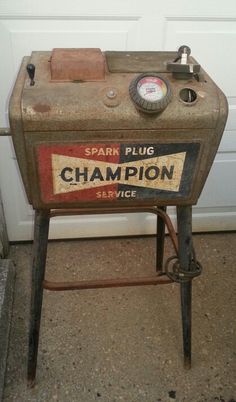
(125,344)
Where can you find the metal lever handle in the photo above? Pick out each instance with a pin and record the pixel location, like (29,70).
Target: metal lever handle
(31,71)
(184,49)
(181,66)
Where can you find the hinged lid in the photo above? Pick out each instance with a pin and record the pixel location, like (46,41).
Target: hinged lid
(77,65)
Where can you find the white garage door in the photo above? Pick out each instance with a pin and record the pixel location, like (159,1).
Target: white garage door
(209,28)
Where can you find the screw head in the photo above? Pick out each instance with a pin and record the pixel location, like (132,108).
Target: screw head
(111,93)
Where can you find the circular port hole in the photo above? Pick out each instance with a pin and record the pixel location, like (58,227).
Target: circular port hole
(188,95)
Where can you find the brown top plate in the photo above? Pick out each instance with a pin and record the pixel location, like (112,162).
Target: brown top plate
(142,62)
(77,65)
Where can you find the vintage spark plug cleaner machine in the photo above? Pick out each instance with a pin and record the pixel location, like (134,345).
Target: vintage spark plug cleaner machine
(115,132)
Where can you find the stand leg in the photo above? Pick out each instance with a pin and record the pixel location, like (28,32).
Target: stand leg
(184,219)
(41,227)
(160,240)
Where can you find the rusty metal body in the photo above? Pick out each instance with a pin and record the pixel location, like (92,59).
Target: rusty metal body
(77,114)
(84,147)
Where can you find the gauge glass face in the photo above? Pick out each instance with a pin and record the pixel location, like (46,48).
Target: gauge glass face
(152,89)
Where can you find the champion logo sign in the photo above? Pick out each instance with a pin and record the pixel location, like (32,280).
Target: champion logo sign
(76,174)
(90,172)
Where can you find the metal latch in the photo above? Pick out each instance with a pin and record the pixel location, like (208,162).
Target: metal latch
(182,64)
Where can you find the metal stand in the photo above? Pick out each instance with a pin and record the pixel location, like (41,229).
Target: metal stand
(160,241)
(41,226)
(183,256)
(184,221)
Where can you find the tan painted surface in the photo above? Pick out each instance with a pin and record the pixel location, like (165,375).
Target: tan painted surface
(59,162)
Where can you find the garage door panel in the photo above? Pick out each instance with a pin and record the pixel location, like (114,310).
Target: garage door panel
(220,189)
(231,122)
(228,142)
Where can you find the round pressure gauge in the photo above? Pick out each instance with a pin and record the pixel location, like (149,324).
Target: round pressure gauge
(150,92)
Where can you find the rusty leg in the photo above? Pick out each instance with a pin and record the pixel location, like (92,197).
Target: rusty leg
(41,226)
(160,239)
(184,219)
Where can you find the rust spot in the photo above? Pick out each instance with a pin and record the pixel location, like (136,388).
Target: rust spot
(41,108)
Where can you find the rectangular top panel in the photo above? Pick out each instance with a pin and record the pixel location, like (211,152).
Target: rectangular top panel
(108,104)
